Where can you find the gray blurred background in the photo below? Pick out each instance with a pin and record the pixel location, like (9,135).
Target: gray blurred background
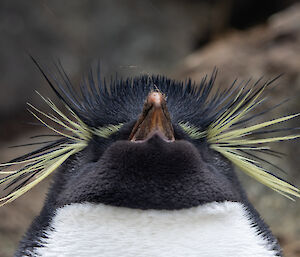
(177,38)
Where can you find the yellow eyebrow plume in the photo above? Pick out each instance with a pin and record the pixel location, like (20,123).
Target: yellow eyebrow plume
(233,142)
(38,165)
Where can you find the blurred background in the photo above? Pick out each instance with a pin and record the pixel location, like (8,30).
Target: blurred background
(180,39)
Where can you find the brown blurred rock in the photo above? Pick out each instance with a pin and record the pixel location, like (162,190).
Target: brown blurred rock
(292,248)
(267,50)
(128,36)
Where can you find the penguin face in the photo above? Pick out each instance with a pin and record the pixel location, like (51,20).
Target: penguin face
(150,162)
(153,174)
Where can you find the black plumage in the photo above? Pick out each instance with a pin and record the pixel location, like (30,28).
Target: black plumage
(154,173)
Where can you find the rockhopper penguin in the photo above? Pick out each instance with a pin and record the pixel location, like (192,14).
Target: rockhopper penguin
(145,167)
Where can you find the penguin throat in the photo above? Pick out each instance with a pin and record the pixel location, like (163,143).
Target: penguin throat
(214,229)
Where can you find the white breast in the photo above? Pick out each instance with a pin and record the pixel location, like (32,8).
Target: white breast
(211,230)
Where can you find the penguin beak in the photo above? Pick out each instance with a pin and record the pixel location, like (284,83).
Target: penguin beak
(155,119)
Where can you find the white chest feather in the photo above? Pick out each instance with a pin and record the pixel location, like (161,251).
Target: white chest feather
(211,230)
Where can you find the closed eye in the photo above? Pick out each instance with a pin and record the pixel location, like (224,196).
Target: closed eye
(107,131)
(192,131)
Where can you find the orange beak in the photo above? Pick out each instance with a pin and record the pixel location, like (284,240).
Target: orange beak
(154,118)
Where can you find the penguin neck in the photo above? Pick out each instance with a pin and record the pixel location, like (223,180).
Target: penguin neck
(213,229)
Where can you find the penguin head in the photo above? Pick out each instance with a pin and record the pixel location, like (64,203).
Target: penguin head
(150,162)
(149,142)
